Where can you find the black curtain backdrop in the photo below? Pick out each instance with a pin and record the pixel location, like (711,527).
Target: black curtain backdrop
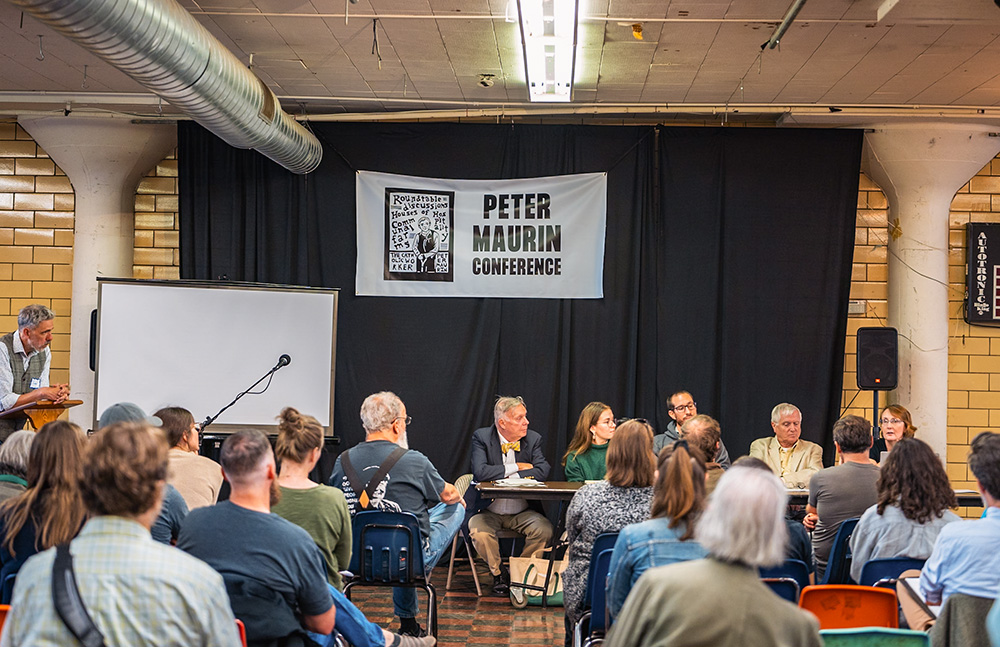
(726,271)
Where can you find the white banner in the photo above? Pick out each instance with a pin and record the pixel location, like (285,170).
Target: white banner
(538,237)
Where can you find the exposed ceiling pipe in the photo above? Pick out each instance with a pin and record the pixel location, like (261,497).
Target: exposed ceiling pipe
(160,45)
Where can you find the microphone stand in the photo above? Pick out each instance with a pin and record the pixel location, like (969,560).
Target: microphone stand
(209,420)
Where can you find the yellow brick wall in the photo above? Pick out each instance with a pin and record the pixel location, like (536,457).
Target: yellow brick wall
(156,226)
(974,351)
(36,238)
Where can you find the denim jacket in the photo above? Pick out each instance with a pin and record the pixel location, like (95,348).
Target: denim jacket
(642,546)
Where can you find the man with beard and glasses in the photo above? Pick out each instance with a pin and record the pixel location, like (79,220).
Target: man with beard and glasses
(681,407)
(273,570)
(382,473)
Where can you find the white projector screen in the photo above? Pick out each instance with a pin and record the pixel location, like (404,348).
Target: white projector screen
(198,345)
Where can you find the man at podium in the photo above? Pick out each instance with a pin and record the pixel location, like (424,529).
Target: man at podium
(24,366)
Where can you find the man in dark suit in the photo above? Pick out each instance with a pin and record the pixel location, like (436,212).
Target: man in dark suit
(507,449)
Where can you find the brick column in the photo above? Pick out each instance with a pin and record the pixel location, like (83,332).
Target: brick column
(920,166)
(104,160)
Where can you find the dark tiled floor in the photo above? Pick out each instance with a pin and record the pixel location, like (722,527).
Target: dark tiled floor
(466,619)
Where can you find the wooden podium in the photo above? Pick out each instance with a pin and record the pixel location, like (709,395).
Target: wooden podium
(40,412)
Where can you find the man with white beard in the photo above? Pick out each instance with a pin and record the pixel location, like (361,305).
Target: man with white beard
(383,474)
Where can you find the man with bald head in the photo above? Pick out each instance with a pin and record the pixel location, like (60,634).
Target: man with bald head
(793,459)
(681,407)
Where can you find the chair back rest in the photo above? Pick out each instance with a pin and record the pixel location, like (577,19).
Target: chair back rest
(838,566)
(387,547)
(785,587)
(462,484)
(874,637)
(843,606)
(4,610)
(241,629)
(888,569)
(598,589)
(7,588)
(794,569)
(602,542)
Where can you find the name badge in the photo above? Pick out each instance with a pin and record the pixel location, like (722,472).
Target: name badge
(36,383)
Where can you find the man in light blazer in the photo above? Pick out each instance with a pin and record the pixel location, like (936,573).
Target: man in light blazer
(505,449)
(793,459)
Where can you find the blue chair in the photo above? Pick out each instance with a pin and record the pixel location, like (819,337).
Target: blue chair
(388,551)
(7,588)
(884,572)
(838,566)
(785,587)
(595,618)
(874,637)
(794,569)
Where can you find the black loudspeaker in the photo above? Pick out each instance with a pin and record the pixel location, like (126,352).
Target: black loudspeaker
(878,359)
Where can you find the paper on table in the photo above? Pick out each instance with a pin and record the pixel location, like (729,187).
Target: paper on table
(519,482)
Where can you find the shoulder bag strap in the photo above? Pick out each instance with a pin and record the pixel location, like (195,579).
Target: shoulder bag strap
(355,479)
(69,605)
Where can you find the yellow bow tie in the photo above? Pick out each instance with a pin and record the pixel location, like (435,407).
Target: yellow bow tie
(506,447)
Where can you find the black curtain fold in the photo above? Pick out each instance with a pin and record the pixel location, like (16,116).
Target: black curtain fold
(725,272)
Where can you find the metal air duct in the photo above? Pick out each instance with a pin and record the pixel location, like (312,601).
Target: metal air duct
(162,46)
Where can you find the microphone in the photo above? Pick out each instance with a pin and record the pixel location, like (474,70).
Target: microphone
(284,360)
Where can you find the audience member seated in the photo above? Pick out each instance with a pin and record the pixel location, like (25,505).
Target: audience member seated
(681,407)
(320,510)
(704,433)
(197,478)
(274,571)
(50,511)
(799,544)
(914,501)
(841,492)
(167,526)
(720,601)
(896,424)
(966,555)
(138,592)
(607,506)
(14,463)
(668,536)
(793,459)
(507,449)
(381,473)
(585,456)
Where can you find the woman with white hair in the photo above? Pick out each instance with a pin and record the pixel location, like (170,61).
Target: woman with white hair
(720,601)
(14,464)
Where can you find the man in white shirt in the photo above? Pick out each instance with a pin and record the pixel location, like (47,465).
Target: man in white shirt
(24,365)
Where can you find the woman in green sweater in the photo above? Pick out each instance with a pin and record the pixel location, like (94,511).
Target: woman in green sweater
(584,459)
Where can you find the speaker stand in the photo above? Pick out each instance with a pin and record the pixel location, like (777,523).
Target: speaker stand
(875,435)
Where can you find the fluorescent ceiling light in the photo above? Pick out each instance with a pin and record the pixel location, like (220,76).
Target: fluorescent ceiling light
(548,36)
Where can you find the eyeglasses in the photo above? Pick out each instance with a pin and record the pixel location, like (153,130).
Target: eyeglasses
(406,419)
(690,406)
(890,421)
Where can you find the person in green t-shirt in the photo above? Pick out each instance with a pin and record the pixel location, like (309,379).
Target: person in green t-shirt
(584,459)
(320,510)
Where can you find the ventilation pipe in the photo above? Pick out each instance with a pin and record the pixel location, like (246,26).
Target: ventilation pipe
(162,46)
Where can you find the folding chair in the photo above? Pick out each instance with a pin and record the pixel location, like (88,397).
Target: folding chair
(388,551)
(594,596)
(838,566)
(462,485)
(844,606)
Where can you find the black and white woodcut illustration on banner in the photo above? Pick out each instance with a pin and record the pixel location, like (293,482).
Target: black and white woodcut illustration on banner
(525,238)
